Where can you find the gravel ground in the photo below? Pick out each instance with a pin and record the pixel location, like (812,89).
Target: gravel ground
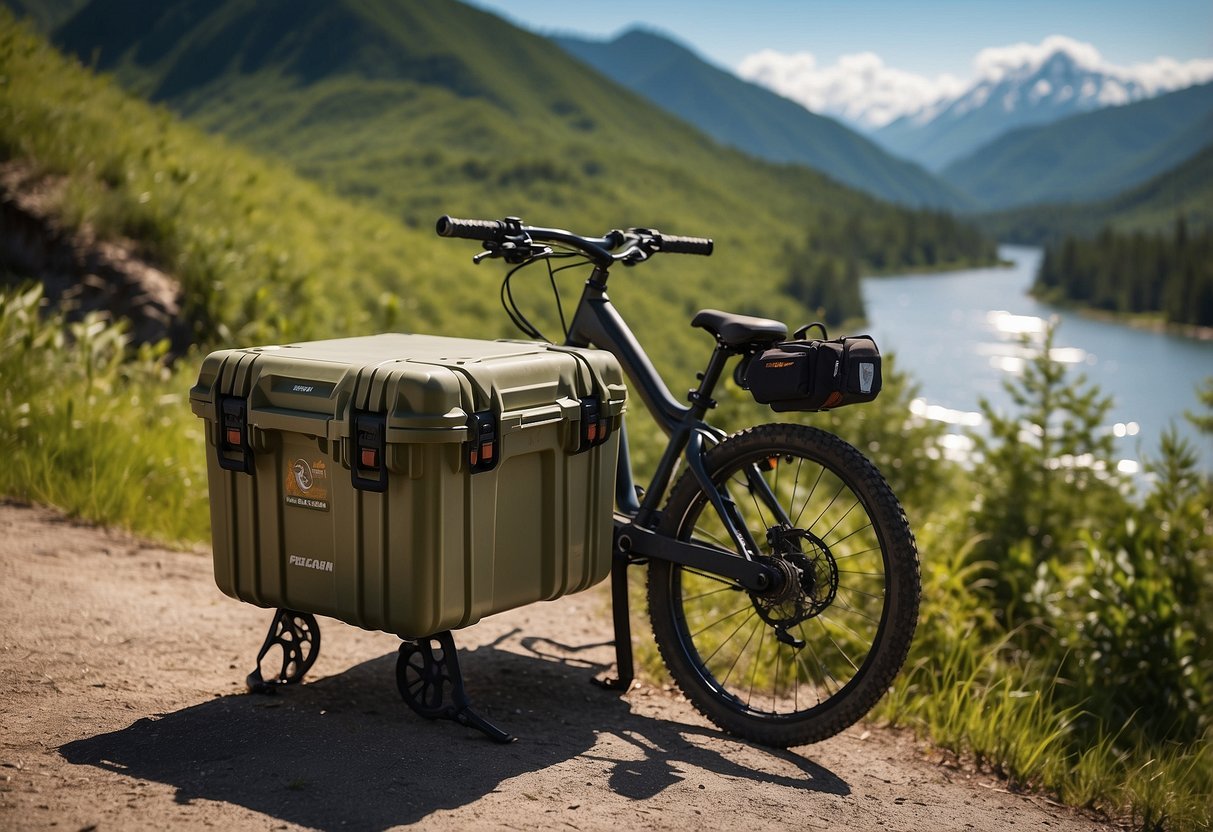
(122,706)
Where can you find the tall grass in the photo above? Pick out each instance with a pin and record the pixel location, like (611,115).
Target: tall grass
(99,430)
(974,690)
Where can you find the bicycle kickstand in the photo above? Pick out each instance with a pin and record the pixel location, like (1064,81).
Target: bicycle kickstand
(624,667)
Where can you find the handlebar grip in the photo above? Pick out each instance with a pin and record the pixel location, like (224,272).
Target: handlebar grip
(686,245)
(448,226)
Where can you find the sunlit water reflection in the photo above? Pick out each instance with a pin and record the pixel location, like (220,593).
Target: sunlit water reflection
(959,334)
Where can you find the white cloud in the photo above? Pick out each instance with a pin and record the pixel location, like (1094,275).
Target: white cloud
(1165,74)
(996,62)
(862,89)
(859,88)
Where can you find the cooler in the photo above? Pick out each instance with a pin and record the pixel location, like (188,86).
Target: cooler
(410,483)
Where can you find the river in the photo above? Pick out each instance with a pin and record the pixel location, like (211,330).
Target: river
(958,334)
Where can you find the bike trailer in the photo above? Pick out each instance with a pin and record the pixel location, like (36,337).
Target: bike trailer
(409,483)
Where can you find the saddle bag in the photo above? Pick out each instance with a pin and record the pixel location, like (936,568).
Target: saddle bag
(814,374)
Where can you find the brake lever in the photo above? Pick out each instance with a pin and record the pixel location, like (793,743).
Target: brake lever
(644,245)
(515,252)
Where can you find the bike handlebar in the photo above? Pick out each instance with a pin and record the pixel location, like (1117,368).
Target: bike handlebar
(686,245)
(637,243)
(470,229)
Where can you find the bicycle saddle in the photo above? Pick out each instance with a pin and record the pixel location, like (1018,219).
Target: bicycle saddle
(736,330)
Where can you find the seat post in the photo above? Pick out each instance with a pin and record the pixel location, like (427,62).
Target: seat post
(701,397)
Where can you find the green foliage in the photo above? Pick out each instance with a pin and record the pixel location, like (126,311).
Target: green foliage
(978,697)
(822,273)
(1134,273)
(907,240)
(261,254)
(827,288)
(1126,608)
(1204,421)
(89,426)
(1064,640)
(1045,471)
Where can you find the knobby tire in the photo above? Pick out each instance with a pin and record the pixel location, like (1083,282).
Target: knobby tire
(851,604)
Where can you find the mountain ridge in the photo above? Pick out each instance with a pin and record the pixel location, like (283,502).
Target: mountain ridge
(1089,156)
(1152,207)
(1061,84)
(472,116)
(754,119)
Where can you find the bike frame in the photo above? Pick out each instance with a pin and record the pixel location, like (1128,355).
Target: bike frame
(597,323)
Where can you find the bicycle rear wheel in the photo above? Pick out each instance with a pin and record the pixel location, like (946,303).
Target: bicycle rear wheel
(808,658)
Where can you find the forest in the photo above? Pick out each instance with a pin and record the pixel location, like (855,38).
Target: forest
(1168,274)
(823,271)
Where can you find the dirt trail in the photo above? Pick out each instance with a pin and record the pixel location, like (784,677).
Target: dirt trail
(122,706)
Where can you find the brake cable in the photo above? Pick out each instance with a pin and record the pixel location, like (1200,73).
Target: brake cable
(510,304)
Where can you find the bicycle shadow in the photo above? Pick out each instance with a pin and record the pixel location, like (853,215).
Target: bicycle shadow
(344,751)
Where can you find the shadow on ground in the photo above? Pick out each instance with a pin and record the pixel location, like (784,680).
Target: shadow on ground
(344,751)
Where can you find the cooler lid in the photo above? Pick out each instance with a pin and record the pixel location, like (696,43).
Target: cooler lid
(427,385)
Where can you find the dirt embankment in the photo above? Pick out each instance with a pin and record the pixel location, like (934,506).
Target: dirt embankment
(122,706)
(78,271)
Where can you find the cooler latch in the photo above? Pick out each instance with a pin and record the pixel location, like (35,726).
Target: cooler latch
(233,449)
(483,448)
(368,452)
(595,427)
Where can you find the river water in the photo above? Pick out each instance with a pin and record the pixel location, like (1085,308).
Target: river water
(958,334)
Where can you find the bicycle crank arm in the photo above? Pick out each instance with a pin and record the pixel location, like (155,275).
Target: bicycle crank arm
(636,541)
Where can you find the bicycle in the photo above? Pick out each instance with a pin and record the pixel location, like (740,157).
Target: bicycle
(782,532)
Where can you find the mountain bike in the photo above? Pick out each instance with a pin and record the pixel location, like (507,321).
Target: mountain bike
(783,577)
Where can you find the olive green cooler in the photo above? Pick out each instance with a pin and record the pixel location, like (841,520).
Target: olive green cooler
(409,483)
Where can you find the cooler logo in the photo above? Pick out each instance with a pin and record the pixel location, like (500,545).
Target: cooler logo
(307,484)
(312,563)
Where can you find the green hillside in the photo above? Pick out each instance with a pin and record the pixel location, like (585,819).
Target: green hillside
(1151,207)
(1088,157)
(756,120)
(1186,190)
(425,107)
(264,255)
(259,251)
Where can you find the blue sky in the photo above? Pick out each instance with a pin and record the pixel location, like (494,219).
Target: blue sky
(926,38)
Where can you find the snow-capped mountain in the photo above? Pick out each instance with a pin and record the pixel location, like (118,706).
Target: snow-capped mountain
(1024,86)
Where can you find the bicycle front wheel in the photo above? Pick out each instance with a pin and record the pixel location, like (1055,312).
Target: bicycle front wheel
(809,657)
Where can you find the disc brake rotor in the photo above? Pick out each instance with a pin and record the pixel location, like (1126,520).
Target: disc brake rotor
(810,579)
